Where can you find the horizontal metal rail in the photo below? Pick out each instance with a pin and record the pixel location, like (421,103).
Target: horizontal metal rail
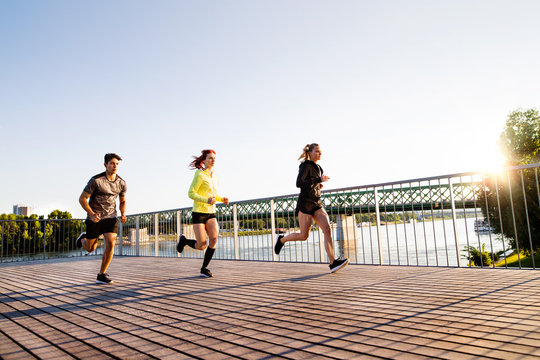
(467,219)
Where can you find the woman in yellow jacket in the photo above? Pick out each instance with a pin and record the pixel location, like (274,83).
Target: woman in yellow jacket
(204,195)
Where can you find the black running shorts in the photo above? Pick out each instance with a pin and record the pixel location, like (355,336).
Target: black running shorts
(103,226)
(306,209)
(202,218)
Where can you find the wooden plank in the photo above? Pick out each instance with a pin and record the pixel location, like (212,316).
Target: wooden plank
(161,308)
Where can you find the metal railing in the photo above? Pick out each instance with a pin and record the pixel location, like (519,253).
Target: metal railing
(452,220)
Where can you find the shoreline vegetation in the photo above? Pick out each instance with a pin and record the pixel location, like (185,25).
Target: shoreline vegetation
(30,226)
(526,260)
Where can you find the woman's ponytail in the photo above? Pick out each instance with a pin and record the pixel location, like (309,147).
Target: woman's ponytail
(307,149)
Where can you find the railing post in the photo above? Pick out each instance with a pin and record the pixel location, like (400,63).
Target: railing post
(235,227)
(273,227)
(322,251)
(456,238)
(2,243)
(121,238)
(378,220)
(178,229)
(44,239)
(137,220)
(513,217)
(527,217)
(80,232)
(156,234)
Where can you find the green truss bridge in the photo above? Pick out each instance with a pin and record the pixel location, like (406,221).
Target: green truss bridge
(381,199)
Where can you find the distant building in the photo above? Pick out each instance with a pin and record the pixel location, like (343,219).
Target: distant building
(24,210)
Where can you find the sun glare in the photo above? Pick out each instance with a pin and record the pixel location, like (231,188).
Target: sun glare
(494,163)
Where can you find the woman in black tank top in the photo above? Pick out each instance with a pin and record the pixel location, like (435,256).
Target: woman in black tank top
(309,206)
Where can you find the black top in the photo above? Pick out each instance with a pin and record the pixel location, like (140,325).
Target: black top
(309,181)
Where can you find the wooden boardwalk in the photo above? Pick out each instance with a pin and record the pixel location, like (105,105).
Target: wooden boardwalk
(160,308)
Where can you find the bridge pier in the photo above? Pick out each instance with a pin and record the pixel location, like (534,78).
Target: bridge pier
(346,235)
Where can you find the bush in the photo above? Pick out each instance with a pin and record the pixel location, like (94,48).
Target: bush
(476,257)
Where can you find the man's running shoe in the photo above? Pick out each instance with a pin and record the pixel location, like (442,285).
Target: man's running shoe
(78,242)
(181,243)
(103,279)
(279,245)
(338,264)
(206,273)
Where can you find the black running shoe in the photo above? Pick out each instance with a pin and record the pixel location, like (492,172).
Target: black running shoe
(338,264)
(279,245)
(206,273)
(103,279)
(78,242)
(181,243)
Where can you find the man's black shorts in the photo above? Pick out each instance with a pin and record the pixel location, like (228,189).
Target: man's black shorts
(103,226)
(201,218)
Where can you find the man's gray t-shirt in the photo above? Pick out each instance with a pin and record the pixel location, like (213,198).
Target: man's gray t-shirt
(103,194)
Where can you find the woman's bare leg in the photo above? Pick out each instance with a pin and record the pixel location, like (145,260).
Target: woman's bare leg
(321,218)
(200,236)
(212,229)
(305,221)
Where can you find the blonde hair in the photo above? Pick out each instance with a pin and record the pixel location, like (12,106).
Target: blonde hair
(307,149)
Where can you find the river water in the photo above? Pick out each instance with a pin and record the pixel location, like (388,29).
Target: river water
(428,243)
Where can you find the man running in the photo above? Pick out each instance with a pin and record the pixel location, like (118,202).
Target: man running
(102,190)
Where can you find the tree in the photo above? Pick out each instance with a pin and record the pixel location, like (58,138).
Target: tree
(520,139)
(61,233)
(29,234)
(515,194)
(57,214)
(282,223)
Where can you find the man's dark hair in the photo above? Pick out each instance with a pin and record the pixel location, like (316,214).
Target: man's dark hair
(110,156)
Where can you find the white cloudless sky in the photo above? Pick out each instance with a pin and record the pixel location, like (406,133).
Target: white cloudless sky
(391,90)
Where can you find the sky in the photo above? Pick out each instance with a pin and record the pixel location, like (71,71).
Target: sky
(391,90)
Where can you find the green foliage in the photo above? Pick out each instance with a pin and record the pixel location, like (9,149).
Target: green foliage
(521,142)
(510,191)
(524,261)
(476,257)
(22,235)
(289,222)
(520,139)
(57,214)
(366,218)
(282,223)
(255,224)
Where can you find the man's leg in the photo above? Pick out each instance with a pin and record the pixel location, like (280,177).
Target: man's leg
(108,252)
(88,239)
(89,245)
